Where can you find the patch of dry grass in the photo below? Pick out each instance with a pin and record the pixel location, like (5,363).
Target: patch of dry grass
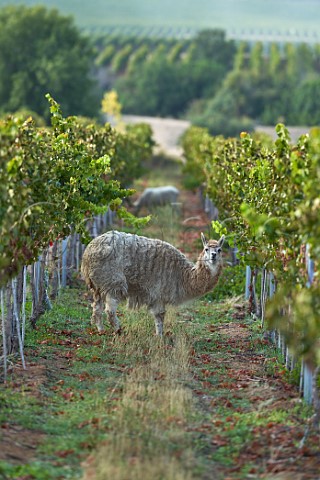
(148,437)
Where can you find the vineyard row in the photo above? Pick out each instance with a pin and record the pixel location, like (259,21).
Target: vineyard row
(267,195)
(54,182)
(183,33)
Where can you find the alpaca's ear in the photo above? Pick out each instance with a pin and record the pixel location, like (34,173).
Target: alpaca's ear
(204,241)
(221,241)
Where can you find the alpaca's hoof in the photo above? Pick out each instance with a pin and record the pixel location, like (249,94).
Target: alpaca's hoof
(101,329)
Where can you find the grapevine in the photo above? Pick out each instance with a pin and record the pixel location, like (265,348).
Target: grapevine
(268,198)
(53,180)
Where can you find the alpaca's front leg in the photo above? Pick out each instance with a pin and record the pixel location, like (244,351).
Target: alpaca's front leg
(97,311)
(111,311)
(159,319)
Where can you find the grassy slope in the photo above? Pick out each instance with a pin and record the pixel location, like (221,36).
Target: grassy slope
(210,401)
(302,15)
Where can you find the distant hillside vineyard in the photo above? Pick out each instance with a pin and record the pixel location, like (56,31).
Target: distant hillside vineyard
(286,21)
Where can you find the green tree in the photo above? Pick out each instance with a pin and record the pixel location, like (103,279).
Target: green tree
(256,59)
(172,75)
(306,105)
(158,87)
(299,61)
(213,45)
(162,87)
(240,56)
(222,116)
(42,51)
(264,88)
(275,60)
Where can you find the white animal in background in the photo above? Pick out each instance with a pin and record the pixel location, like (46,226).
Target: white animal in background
(118,266)
(156,197)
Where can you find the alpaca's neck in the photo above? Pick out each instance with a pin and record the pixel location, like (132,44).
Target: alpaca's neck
(202,278)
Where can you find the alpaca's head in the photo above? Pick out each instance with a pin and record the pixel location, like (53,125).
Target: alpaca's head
(212,251)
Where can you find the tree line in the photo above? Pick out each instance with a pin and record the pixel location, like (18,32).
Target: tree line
(217,83)
(220,84)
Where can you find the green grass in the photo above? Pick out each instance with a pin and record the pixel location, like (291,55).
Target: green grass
(230,15)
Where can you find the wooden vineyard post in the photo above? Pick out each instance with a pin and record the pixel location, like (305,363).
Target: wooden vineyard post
(4,338)
(17,320)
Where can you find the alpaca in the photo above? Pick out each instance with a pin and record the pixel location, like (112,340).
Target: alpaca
(156,197)
(118,266)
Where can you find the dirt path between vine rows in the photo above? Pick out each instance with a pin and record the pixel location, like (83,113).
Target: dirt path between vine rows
(252,417)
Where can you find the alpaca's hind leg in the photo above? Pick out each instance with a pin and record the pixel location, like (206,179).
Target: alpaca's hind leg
(97,311)
(159,319)
(111,311)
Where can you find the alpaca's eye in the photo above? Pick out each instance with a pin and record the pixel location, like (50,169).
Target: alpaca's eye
(218,250)
(206,249)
